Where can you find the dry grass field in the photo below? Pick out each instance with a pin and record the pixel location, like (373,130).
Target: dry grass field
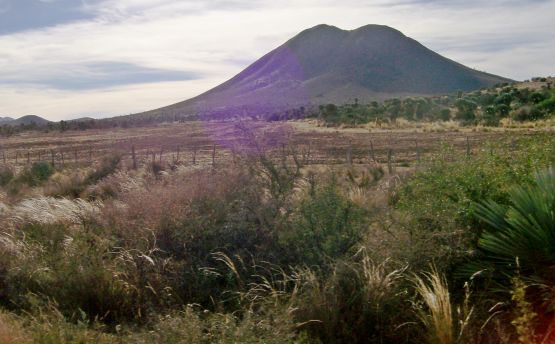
(198,142)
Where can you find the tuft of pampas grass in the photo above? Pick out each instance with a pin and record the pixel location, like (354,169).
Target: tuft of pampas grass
(49,210)
(437,316)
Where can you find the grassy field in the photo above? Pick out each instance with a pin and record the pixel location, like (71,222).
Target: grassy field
(287,232)
(326,145)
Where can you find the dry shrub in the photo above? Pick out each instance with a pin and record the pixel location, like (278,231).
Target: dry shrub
(196,327)
(159,204)
(115,184)
(11,331)
(69,183)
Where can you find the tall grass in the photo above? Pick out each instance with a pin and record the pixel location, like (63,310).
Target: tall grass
(437,316)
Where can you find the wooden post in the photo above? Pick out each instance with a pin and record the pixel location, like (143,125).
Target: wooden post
(467,147)
(350,153)
(372,155)
(389,162)
(28,158)
(213,156)
(134,157)
(417,150)
(53,157)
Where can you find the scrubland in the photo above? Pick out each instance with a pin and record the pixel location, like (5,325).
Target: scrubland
(264,247)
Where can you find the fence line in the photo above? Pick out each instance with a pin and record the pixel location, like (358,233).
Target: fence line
(390,154)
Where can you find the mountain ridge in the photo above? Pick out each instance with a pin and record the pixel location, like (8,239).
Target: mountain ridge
(25,120)
(325,64)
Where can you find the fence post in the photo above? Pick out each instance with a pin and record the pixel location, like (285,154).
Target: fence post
(350,153)
(134,157)
(389,162)
(213,156)
(467,147)
(417,150)
(28,158)
(53,158)
(372,155)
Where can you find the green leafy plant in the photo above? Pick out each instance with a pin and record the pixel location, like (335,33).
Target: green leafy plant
(524,229)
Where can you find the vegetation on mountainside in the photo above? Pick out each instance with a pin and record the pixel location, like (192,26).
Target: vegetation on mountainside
(487,107)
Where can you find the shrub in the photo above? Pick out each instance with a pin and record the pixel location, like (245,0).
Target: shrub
(11,331)
(523,230)
(81,271)
(6,174)
(357,302)
(41,171)
(326,225)
(37,174)
(107,167)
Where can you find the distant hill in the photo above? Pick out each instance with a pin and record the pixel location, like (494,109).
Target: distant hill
(25,120)
(4,120)
(325,64)
(82,119)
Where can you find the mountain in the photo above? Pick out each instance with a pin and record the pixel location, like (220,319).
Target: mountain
(81,119)
(325,64)
(25,120)
(5,120)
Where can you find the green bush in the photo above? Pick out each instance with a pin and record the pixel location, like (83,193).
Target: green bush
(445,193)
(38,173)
(437,205)
(6,175)
(326,225)
(523,230)
(107,167)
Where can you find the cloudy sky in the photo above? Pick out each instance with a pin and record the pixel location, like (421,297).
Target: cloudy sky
(72,58)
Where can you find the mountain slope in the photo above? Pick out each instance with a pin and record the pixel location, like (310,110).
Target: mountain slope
(326,64)
(25,120)
(5,120)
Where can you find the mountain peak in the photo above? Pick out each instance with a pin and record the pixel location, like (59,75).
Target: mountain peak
(325,64)
(375,29)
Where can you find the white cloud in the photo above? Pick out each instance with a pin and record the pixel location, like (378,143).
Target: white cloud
(216,39)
